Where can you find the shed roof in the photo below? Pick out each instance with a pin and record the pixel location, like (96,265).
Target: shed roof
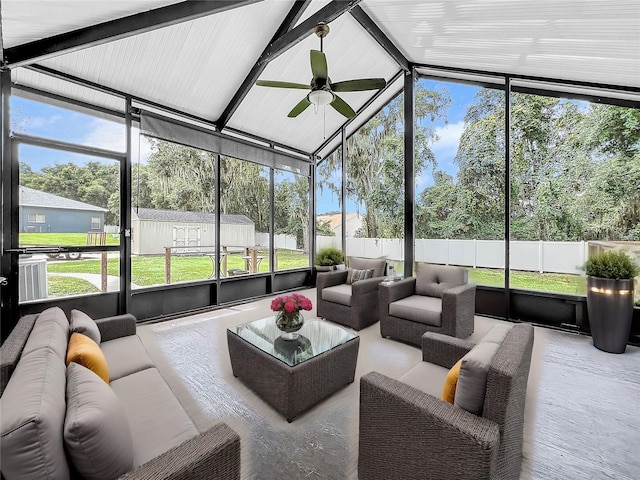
(202,58)
(36,198)
(152,214)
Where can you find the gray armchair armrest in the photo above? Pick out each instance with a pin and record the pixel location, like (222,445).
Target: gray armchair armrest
(420,432)
(458,309)
(214,454)
(444,350)
(116,326)
(366,286)
(331,279)
(397,290)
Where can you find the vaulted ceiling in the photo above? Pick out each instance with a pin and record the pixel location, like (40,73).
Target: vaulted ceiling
(202,58)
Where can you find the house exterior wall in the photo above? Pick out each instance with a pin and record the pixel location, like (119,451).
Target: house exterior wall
(152,237)
(58,220)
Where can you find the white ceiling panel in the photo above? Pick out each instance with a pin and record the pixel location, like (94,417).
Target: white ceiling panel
(47,83)
(28,20)
(592,41)
(351,53)
(194,66)
(312,8)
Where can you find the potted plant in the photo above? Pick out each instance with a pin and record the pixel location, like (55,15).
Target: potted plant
(610,299)
(328,258)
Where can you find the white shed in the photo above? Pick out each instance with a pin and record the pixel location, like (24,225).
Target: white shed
(154,230)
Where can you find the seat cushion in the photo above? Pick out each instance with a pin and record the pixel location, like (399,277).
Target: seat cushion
(497,334)
(51,330)
(125,355)
(432,280)
(418,308)
(32,410)
(472,384)
(338,294)
(427,377)
(82,323)
(96,430)
(379,265)
(87,353)
(157,420)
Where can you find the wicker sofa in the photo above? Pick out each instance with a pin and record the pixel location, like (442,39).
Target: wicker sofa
(40,394)
(407,431)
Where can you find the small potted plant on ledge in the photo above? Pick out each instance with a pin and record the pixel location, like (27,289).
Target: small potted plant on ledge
(610,299)
(328,258)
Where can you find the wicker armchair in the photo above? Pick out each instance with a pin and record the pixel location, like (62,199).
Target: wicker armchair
(438,299)
(409,432)
(355,305)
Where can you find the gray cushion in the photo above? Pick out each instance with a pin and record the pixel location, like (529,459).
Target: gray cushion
(432,280)
(32,410)
(354,275)
(427,377)
(82,323)
(338,294)
(51,330)
(472,383)
(417,308)
(96,429)
(157,420)
(125,355)
(379,265)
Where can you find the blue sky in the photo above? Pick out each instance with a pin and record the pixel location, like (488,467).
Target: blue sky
(53,122)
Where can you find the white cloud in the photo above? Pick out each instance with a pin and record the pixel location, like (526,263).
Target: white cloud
(111,136)
(449,137)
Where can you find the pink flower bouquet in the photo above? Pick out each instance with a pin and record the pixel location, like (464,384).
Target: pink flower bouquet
(291,303)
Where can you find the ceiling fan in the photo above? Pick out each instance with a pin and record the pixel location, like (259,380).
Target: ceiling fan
(323,91)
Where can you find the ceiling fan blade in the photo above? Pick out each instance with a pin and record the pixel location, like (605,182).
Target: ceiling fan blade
(319,65)
(275,83)
(359,85)
(343,107)
(299,108)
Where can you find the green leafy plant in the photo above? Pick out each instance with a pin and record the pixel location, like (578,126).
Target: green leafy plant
(612,264)
(329,256)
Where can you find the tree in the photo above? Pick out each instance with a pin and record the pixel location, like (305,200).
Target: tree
(375,158)
(291,215)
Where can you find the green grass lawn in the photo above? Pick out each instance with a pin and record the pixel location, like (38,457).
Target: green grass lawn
(543,282)
(65,286)
(57,239)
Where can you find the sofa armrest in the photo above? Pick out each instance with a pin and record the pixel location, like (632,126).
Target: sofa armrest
(331,279)
(419,432)
(11,349)
(444,350)
(397,290)
(365,286)
(214,454)
(116,326)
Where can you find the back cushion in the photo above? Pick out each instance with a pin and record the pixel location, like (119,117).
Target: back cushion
(432,280)
(472,383)
(84,324)
(51,330)
(32,411)
(379,265)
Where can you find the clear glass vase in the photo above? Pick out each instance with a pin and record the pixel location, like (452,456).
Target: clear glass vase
(289,324)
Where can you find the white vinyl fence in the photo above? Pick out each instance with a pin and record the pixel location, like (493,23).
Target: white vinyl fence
(534,256)
(279,240)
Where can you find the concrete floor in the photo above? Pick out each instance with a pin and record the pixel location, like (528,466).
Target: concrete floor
(582,418)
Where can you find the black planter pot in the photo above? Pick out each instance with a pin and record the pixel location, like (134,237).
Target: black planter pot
(610,308)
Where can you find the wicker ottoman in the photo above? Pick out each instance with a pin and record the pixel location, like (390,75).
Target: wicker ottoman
(293,375)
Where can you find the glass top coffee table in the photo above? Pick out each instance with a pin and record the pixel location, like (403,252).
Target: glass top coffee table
(293,375)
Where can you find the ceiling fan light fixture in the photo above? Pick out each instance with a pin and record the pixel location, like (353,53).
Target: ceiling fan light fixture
(320,97)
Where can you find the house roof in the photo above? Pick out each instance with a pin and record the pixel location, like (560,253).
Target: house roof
(336,219)
(189,217)
(36,198)
(202,58)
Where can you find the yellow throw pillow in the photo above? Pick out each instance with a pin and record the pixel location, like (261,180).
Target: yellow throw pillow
(449,389)
(87,353)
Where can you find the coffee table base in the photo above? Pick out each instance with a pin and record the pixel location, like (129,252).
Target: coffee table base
(292,390)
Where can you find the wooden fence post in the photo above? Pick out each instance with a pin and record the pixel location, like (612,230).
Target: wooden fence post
(104,271)
(167,264)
